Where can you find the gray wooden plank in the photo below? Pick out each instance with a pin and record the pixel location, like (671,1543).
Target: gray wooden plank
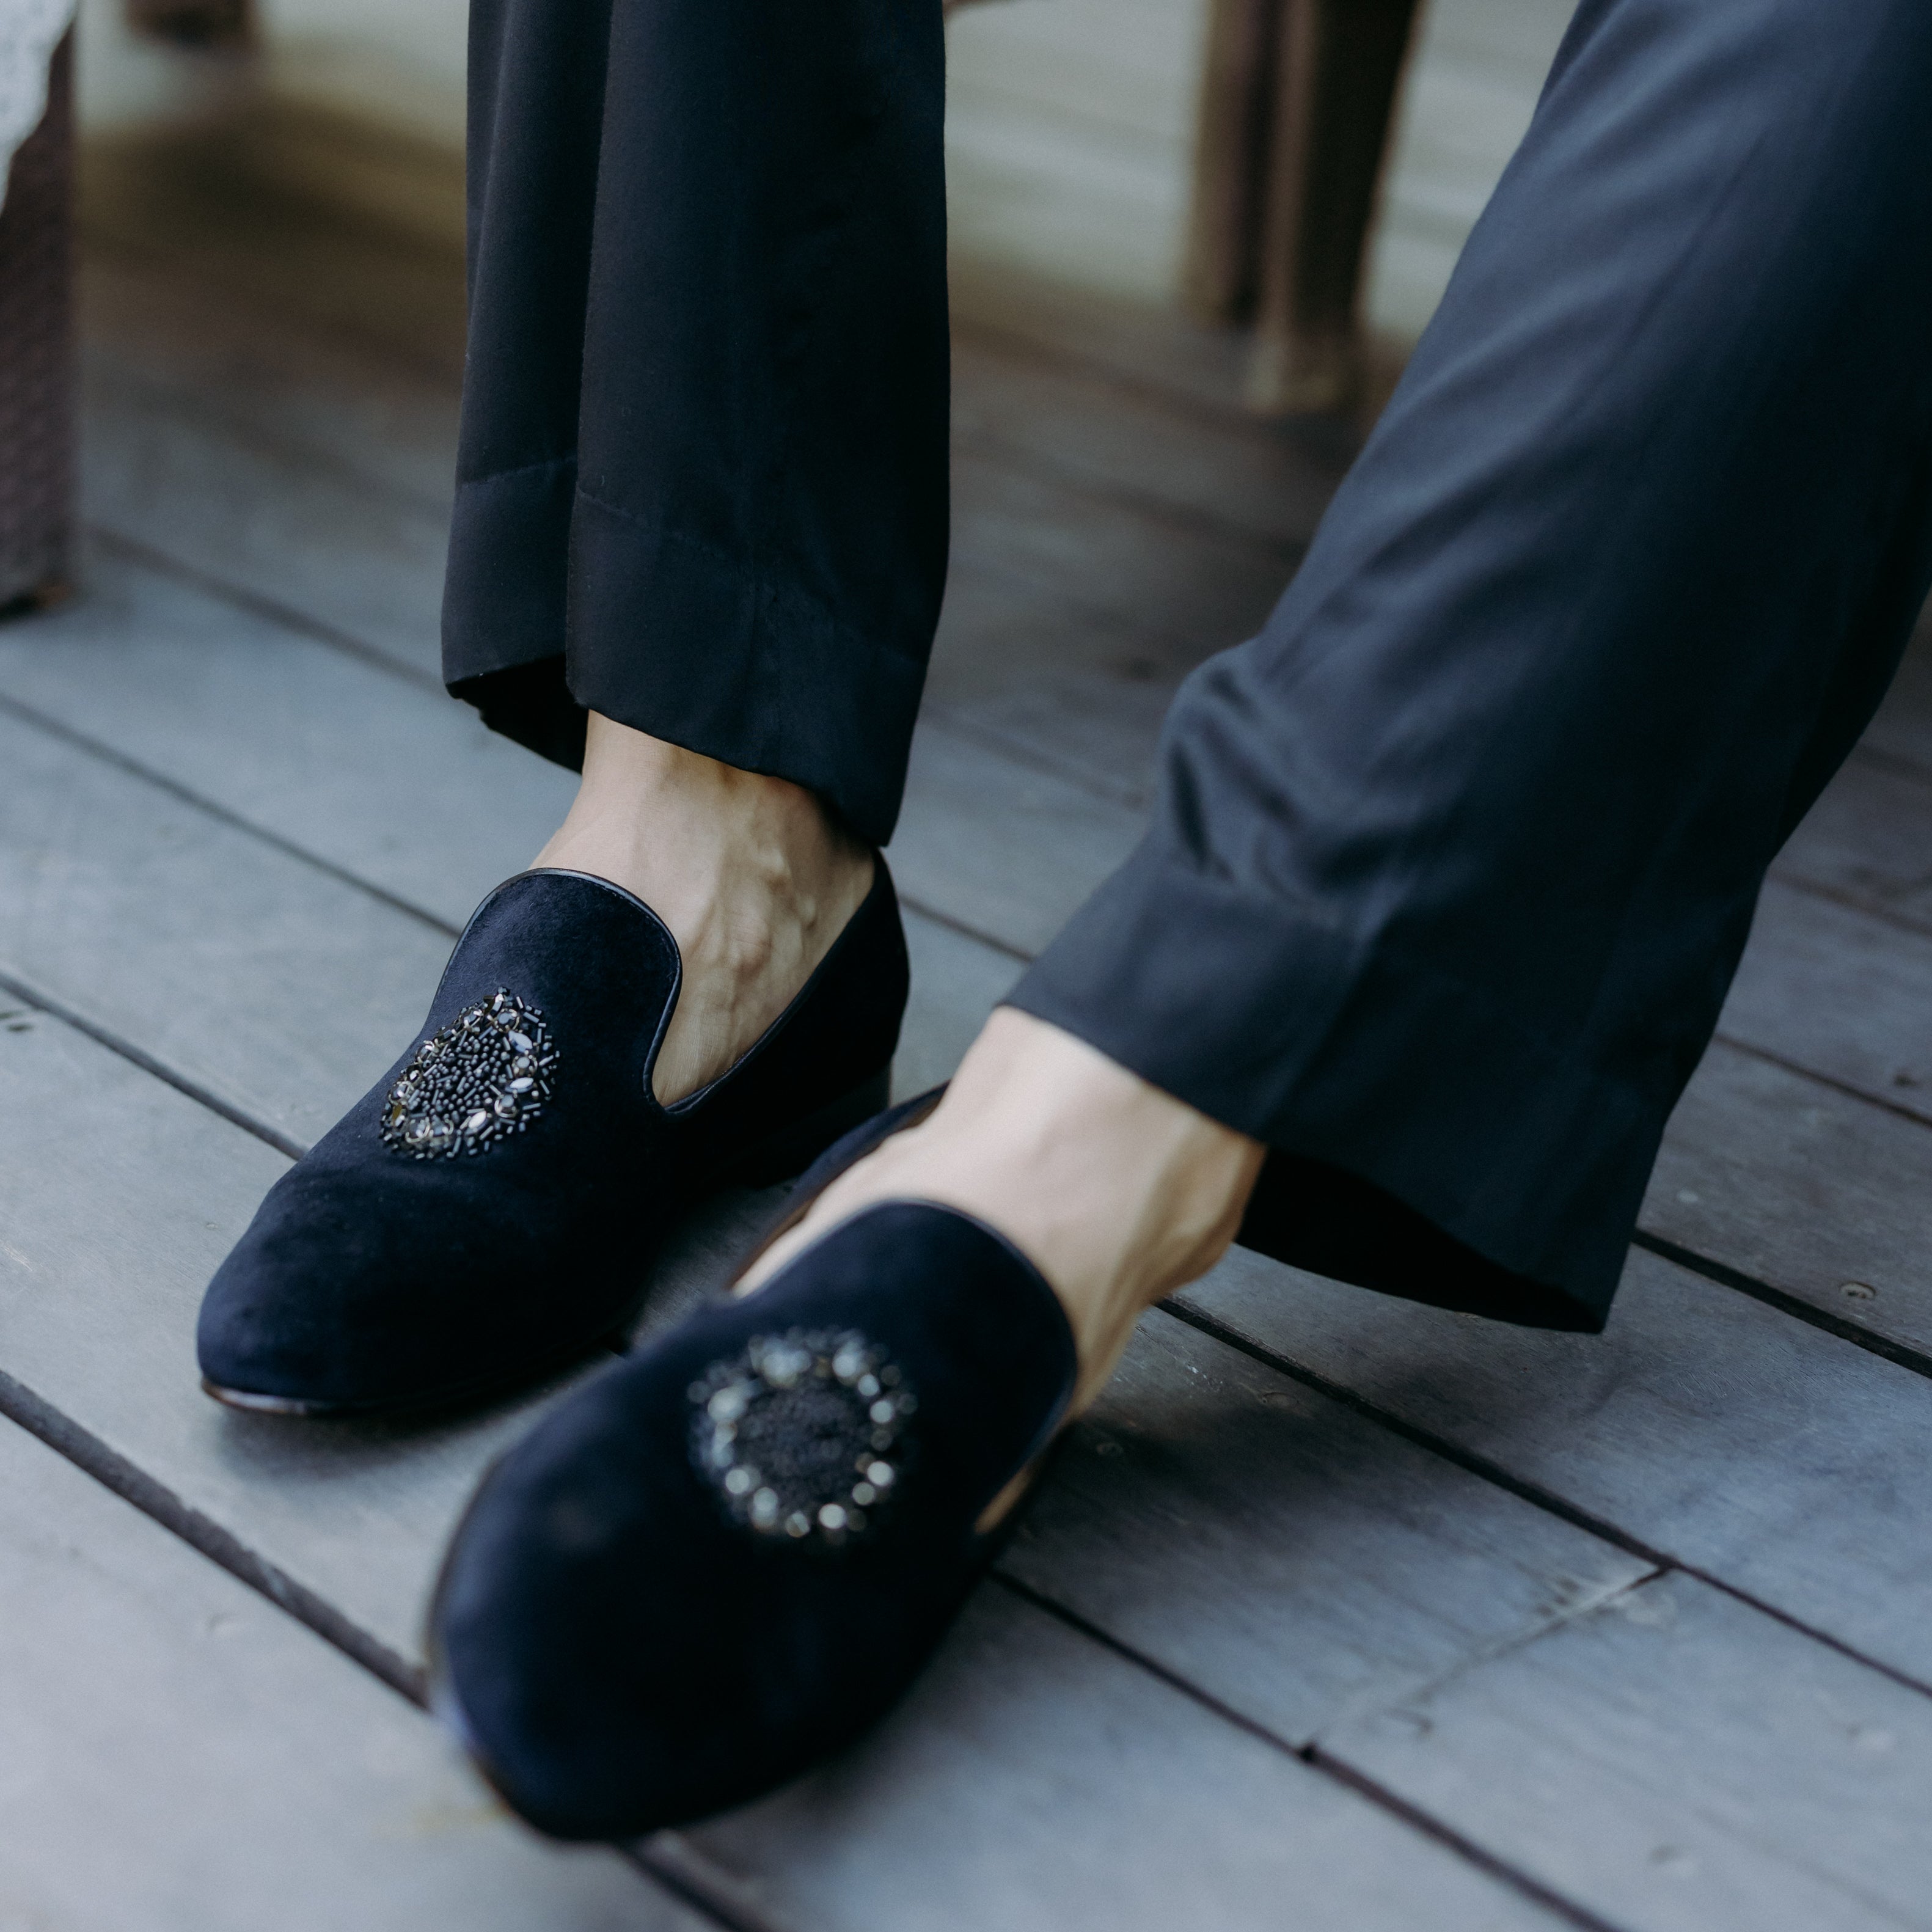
(1678,1764)
(1760,1450)
(315,539)
(1839,992)
(956,981)
(995,840)
(186,200)
(275,987)
(1902,728)
(1868,839)
(1229,1537)
(148,332)
(1290,1557)
(1033,1781)
(1261,479)
(407,790)
(1820,1195)
(397,785)
(182,1757)
(1079,692)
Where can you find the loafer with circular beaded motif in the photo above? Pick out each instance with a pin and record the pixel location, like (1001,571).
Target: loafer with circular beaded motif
(489,1209)
(720,1561)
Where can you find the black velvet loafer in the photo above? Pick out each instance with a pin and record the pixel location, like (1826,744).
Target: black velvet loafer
(722,1560)
(490,1210)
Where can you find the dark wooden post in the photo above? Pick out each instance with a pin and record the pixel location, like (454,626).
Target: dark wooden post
(37,365)
(1221,279)
(195,23)
(1297,100)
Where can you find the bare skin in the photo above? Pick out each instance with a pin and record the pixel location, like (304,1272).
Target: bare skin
(751,875)
(1117,1193)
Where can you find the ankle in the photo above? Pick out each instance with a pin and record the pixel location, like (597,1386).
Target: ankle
(1116,1191)
(751,875)
(1119,1192)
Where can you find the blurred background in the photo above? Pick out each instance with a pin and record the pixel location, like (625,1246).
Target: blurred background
(1335,1606)
(1072,126)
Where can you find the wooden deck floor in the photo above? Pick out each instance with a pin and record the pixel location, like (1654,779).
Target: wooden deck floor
(1342,1612)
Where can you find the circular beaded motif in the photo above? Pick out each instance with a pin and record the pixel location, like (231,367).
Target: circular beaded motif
(485,1076)
(800,1434)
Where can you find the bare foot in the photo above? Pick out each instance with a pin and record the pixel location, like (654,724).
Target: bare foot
(751,875)
(1117,1193)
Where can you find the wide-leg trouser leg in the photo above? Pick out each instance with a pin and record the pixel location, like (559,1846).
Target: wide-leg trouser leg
(1452,865)
(702,477)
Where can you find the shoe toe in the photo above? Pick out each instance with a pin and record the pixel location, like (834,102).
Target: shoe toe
(668,1601)
(356,1290)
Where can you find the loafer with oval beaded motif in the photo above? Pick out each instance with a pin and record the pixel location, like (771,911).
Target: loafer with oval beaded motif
(490,1210)
(720,1561)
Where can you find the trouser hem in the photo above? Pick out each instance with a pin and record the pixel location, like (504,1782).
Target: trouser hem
(1421,1141)
(670,637)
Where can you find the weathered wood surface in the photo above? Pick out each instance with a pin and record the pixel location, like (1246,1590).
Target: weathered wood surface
(1080,1792)
(394,1536)
(1839,991)
(1804,1189)
(1684,1765)
(355,1516)
(1283,1554)
(1291,1558)
(180,1754)
(1702,1424)
(285,1004)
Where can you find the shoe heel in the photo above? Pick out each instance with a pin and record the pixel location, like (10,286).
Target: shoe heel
(788,1154)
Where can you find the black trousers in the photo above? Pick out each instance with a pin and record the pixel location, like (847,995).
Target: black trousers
(1451,866)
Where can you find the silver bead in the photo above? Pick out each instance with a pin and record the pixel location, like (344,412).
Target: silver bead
(787,1435)
(468,1087)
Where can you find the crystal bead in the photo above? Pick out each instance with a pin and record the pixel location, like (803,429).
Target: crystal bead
(469,1086)
(790,1443)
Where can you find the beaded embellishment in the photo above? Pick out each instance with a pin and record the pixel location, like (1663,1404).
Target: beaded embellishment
(800,1434)
(485,1076)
